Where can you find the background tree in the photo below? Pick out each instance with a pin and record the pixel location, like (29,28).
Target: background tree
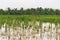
(31,11)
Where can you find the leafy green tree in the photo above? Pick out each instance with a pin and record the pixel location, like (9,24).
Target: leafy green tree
(31,11)
(57,12)
(46,11)
(1,11)
(51,11)
(9,11)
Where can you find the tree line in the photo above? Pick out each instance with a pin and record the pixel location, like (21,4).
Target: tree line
(31,11)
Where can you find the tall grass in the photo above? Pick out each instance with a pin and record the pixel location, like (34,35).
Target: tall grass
(26,18)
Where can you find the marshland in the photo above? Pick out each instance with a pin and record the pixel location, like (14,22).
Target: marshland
(29,27)
(30,24)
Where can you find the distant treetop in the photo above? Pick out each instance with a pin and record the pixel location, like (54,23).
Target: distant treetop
(31,11)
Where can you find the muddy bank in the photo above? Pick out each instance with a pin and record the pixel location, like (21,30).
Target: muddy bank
(48,31)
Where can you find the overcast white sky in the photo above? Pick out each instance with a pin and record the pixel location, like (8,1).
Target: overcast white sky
(30,4)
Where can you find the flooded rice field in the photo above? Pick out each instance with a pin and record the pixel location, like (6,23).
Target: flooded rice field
(47,31)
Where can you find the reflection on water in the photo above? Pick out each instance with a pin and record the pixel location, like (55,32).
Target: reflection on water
(47,31)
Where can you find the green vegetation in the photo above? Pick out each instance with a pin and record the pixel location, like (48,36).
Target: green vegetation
(26,18)
(30,11)
(32,14)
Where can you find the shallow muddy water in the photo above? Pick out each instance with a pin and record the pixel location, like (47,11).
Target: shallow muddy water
(47,31)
